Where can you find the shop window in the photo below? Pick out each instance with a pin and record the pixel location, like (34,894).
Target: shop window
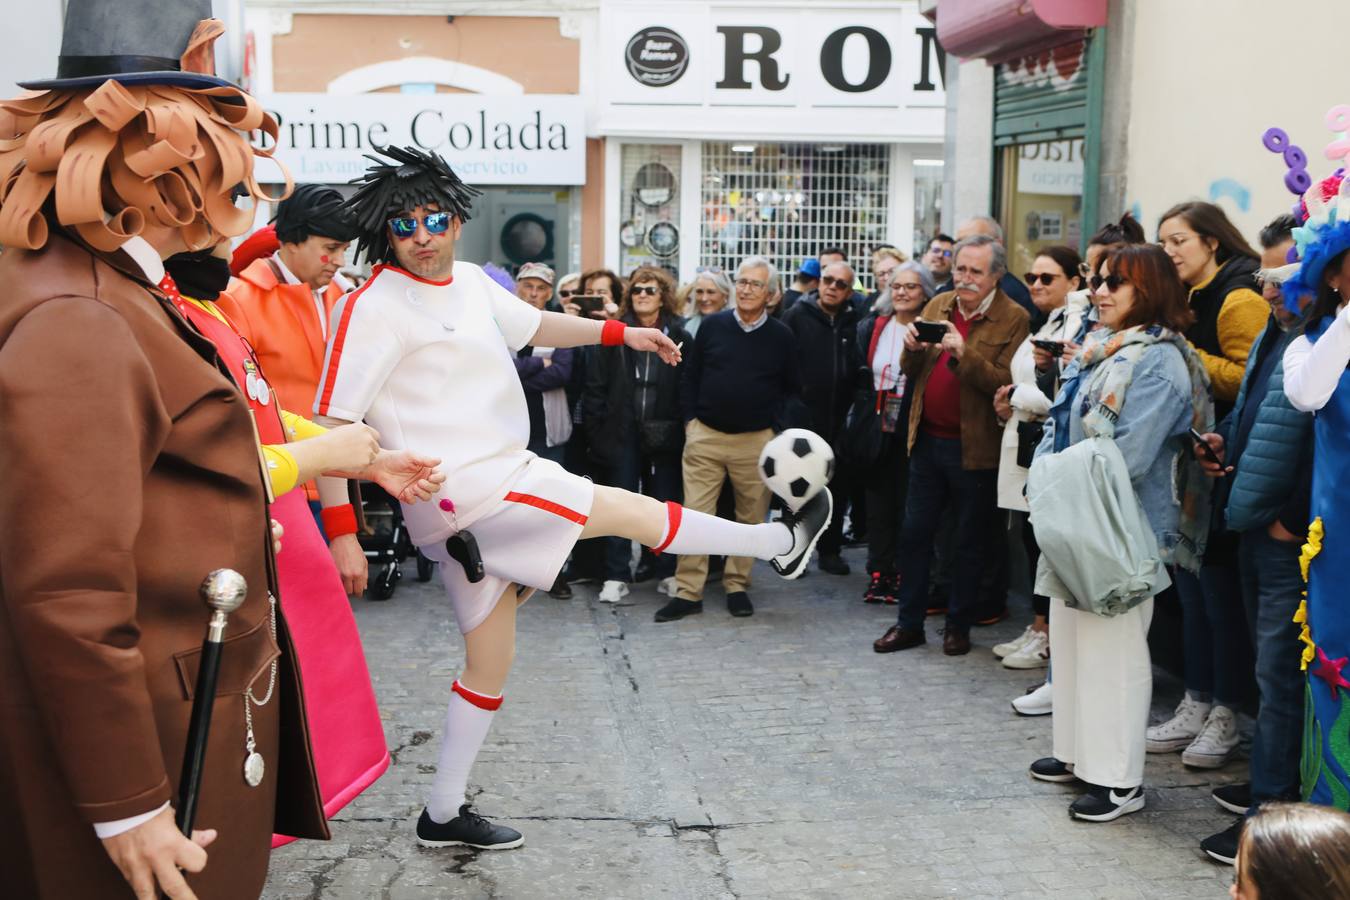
(1043,198)
(927,205)
(649,189)
(788,201)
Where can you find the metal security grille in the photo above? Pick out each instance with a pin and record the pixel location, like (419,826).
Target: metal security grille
(788,201)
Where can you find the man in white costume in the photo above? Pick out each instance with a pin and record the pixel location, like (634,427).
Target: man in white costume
(423,353)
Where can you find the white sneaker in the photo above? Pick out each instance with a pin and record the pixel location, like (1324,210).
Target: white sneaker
(1033,654)
(666,586)
(613,592)
(1178,732)
(1007,648)
(1039,702)
(1216,742)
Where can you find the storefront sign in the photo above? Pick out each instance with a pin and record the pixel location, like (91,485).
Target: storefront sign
(1052,168)
(487,140)
(811,70)
(657,57)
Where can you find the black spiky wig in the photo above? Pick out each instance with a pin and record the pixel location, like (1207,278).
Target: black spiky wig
(413,178)
(313,209)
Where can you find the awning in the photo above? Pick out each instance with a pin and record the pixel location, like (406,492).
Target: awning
(999,30)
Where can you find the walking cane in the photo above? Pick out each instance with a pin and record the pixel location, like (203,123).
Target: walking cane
(223,590)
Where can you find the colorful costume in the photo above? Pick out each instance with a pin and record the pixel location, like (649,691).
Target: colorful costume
(345,728)
(101,623)
(1316,380)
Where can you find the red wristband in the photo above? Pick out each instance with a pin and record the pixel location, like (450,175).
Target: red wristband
(611,335)
(338,520)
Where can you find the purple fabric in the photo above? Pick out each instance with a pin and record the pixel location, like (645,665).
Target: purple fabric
(501,276)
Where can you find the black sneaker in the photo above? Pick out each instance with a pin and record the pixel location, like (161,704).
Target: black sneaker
(1050,769)
(468,829)
(561,590)
(738,604)
(1236,798)
(678,608)
(834,564)
(1105,804)
(1223,847)
(807,525)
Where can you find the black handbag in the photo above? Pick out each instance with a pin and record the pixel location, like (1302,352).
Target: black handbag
(661,437)
(1029,436)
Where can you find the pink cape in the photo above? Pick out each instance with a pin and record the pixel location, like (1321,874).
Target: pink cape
(344,721)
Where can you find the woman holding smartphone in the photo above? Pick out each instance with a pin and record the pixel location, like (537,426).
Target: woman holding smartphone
(1138,382)
(1057,289)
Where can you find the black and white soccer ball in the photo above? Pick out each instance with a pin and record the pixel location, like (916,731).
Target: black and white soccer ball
(796,465)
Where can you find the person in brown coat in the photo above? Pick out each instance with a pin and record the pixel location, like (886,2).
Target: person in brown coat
(131,470)
(954,437)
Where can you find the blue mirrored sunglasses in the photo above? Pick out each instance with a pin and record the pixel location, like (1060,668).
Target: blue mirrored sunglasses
(406,226)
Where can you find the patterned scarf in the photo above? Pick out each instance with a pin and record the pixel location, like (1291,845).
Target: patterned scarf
(1108,384)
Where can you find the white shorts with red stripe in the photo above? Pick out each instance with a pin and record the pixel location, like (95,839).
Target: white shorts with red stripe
(525,540)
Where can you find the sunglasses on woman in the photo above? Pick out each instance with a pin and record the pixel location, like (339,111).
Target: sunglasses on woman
(648,289)
(1045,278)
(405,227)
(1112,282)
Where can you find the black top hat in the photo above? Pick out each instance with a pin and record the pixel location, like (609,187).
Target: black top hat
(130,41)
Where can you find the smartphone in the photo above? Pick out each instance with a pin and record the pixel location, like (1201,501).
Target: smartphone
(1205,448)
(1054,348)
(930,332)
(589,304)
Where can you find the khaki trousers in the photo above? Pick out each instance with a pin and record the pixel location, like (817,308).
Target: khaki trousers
(710,457)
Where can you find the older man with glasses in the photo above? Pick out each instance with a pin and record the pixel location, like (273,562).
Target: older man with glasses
(825,326)
(738,378)
(954,372)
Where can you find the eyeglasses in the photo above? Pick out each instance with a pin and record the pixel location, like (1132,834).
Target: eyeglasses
(914,286)
(405,227)
(564,293)
(716,270)
(1178,239)
(1045,278)
(831,281)
(938,251)
(746,284)
(650,290)
(1112,282)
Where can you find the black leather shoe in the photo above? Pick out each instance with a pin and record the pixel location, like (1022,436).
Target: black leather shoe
(468,829)
(561,590)
(834,564)
(678,608)
(738,604)
(897,638)
(955,641)
(807,525)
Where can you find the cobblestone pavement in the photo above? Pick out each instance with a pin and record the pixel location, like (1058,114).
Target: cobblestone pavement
(775,756)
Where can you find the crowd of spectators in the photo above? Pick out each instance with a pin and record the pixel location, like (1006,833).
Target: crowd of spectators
(940,391)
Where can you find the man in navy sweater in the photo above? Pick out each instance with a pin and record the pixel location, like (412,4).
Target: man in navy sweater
(738,381)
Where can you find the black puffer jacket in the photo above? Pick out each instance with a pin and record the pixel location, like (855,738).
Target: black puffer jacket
(827,353)
(624,387)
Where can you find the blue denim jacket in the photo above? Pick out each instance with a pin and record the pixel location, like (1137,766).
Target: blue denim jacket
(1151,432)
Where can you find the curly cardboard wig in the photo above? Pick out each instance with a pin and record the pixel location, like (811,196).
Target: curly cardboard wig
(107,161)
(414,178)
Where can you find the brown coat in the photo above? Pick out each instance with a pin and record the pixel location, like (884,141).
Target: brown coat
(130,470)
(990,345)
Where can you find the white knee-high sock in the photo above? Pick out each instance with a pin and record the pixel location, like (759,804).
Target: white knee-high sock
(698,534)
(467,720)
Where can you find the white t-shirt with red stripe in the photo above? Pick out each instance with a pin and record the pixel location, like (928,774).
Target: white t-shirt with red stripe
(429,366)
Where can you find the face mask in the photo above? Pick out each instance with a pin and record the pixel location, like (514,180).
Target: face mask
(199,275)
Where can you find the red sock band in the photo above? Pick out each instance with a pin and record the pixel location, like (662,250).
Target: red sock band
(611,333)
(675,512)
(482,701)
(338,520)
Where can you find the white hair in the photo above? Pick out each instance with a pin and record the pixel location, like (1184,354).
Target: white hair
(989,222)
(757,262)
